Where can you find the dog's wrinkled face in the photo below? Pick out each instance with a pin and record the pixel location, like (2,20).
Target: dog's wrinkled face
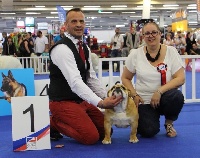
(118,90)
(6,82)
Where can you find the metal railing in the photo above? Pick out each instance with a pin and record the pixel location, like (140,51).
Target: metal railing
(183,88)
(40,66)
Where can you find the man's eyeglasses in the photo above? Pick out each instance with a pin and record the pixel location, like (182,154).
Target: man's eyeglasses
(153,33)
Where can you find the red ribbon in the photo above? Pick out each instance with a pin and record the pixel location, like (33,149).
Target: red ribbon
(162,68)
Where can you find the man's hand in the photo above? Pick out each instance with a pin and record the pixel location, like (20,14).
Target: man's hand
(110,102)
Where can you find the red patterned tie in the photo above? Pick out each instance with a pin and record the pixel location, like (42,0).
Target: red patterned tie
(81,52)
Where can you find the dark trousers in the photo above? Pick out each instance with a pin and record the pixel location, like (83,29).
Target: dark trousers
(116,53)
(171,104)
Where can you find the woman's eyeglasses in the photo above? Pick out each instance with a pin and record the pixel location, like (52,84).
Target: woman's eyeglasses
(153,33)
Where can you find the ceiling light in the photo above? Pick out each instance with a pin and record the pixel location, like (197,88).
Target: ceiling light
(91,6)
(105,12)
(153,11)
(192,22)
(49,17)
(118,6)
(192,5)
(7,13)
(192,11)
(120,25)
(127,12)
(40,6)
(32,13)
(170,5)
(54,12)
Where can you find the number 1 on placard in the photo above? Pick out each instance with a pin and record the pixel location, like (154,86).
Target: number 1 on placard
(30,108)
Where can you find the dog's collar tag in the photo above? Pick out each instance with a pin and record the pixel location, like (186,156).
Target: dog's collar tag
(162,68)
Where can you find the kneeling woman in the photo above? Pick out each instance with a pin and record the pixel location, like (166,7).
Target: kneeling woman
(159,72)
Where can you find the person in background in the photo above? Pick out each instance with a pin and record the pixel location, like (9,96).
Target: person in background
(189,43)
(30,42)
(180,42)
(9,47)
(41,44)
(17,45)
(94,44)
(58,37)
(195,50)
(4,42)
(169,30)
(133,39)
(168,41)
(75,92)
(159,72)
(125,49)
(117,42)
(25,50)
(198,41)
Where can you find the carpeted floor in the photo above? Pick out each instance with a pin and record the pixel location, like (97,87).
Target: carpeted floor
(185,145)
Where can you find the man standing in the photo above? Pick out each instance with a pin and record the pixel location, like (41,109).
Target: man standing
(133,39)
(59,37)
(41,44)
(125,49)
(169,30)
(75,92)
(117,42)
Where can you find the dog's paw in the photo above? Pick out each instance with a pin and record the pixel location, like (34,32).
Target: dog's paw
(135,140)
(106,141)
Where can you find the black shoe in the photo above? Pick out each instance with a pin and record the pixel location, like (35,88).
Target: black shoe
(55,135)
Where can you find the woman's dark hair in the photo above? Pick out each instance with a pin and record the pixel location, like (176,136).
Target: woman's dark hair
(187,34)
(29,33)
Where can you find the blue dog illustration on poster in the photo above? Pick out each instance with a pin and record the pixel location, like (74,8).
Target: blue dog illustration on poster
(11,88)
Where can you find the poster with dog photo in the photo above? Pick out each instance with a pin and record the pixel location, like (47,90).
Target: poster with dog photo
(14,83)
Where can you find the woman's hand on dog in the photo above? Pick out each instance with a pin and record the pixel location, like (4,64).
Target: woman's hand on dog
(137,99)
(111,102)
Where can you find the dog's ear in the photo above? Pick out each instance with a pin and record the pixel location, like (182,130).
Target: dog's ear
(10,75)
(3,75)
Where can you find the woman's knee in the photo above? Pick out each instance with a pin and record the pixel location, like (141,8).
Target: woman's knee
(174,96)
(148,132)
